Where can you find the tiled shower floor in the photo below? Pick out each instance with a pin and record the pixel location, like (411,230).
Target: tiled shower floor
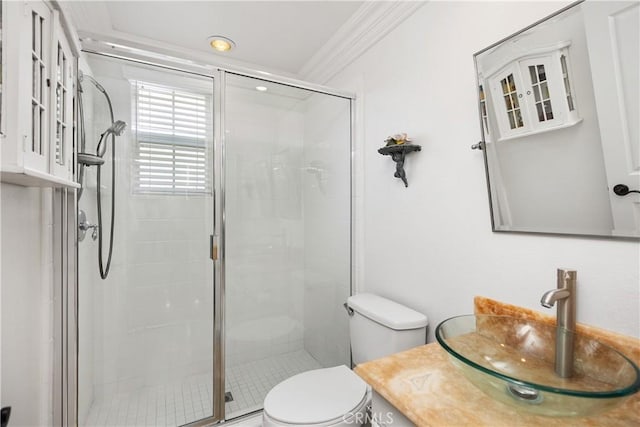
(190,400)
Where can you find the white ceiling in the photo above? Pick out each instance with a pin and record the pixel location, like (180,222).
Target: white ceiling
(278,35)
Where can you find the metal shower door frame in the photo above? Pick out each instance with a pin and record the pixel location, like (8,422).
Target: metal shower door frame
(220,191)
(218,74)
(217,327)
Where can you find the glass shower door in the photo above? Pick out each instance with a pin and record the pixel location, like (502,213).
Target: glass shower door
(287,263)
(146,331)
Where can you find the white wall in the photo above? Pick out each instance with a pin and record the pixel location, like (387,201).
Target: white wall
(27,304)
(430,246)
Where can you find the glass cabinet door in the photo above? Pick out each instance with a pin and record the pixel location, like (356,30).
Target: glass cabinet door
(62,81)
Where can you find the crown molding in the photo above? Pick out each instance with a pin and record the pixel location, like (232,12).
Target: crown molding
(370,23)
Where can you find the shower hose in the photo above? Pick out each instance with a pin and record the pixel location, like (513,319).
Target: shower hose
(103,268)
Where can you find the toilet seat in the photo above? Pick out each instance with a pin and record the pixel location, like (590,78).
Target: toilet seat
(319,397)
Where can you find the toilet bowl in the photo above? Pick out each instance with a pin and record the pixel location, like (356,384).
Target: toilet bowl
(331,397)
(337,397)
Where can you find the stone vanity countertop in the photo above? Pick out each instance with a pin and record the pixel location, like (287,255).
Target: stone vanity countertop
(424,385)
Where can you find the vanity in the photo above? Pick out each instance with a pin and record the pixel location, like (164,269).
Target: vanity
(422,387)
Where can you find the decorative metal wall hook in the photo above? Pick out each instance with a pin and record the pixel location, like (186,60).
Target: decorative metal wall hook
(398,146)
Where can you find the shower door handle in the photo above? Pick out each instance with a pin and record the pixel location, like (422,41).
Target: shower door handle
(213,248)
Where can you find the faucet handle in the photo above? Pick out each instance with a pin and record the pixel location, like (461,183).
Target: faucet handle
(566,276)
(568,272)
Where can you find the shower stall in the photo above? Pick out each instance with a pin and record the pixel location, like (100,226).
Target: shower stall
(231,239)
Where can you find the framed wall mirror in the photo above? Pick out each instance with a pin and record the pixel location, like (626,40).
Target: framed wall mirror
(559,113)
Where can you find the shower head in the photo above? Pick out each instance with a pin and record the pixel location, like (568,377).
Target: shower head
(117,127)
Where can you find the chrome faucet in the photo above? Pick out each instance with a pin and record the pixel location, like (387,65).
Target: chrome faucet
(565,296)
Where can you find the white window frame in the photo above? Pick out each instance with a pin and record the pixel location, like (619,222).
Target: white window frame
(172,150)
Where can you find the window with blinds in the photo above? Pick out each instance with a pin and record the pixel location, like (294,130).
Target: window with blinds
(173,128)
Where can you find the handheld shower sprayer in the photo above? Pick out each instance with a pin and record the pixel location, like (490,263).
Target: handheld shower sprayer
(115,129)
(86,159)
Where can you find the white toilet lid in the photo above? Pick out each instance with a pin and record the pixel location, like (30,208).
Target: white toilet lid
(316,396)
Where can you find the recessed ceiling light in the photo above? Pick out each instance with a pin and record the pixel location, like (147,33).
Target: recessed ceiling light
(261,88)
(221,43)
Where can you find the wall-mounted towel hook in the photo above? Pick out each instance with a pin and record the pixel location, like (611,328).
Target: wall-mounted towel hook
(477,146)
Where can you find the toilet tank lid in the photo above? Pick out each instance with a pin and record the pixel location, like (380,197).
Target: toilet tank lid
(386,312)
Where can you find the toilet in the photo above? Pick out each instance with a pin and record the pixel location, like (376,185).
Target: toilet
(337,397)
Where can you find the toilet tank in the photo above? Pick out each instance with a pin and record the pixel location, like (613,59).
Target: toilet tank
(380,327)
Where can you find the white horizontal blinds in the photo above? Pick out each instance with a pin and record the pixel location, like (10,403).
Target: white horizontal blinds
(172,131)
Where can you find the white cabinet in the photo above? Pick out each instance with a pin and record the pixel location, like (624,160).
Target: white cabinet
(532,94)
(37,146)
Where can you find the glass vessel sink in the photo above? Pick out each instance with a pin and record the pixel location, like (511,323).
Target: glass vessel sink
(512,360)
